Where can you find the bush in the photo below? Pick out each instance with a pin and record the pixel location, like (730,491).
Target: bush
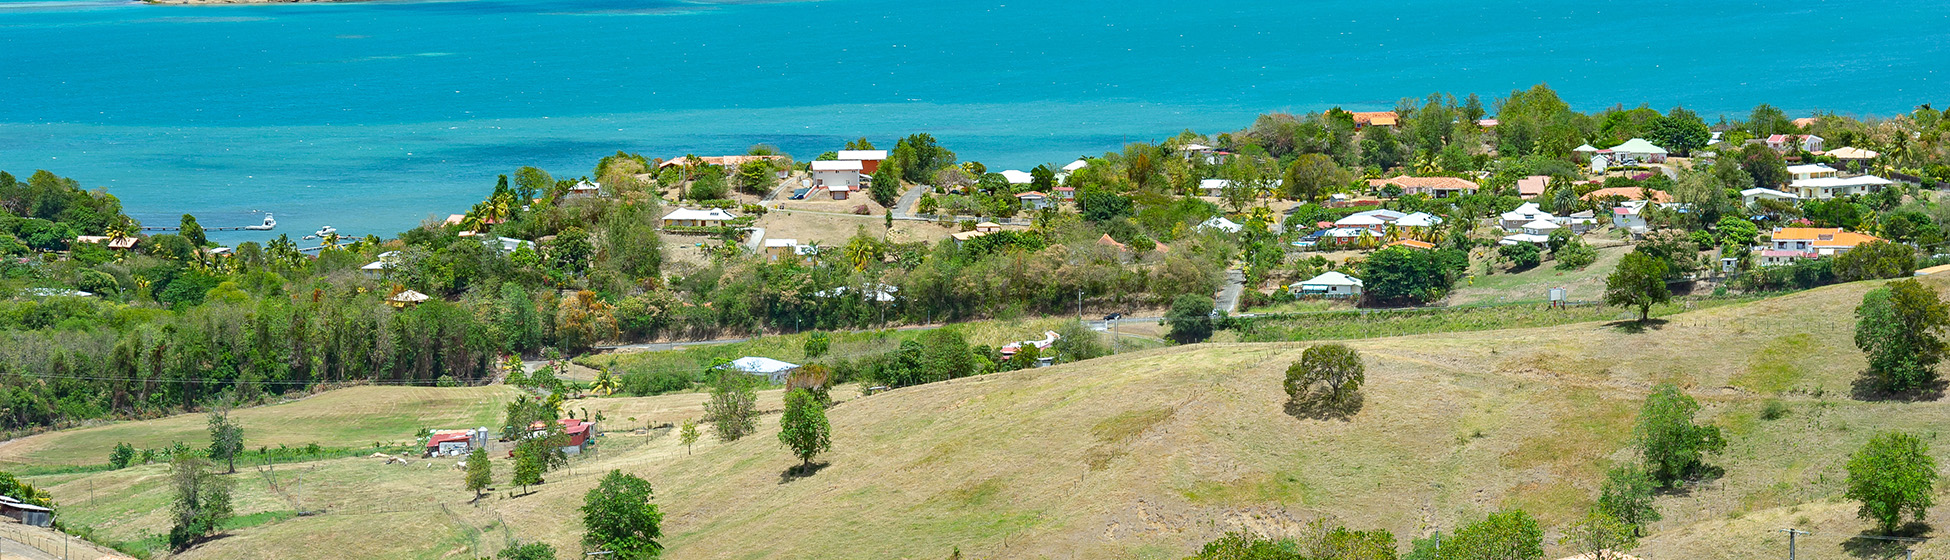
(1574,255)
(1900,327)
(1327,378)
(1876,260)
(1892,475)
(121,456)
(1520,256)
(1670,442)
(1190,319)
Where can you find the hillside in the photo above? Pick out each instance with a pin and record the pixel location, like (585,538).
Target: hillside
(1147,454)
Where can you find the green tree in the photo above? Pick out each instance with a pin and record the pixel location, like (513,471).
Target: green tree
(527,551)
(817,344)
(1876,260)
(226,438)
(1403,274)
(1077,342)
(532,457)
(885,188)
(192,231)
(121,456)
(1900,327)
(1736,232)
(571,250)
(520,324)
(480,473)
(1627,496)
(1599,536)
(1672,445)
(1504,535)
(1640,281)
(1520,256)
(1190,319)
(531,182)
(687,434)
(202,501)
(618,516)
(709,184)
(733,408)
(1328,374)
(804,427)
(756,177)
(1892,475)
(1574,254)
(1764,165)
(1311,177)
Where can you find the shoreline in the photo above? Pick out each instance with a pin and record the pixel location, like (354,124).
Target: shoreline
(241,2)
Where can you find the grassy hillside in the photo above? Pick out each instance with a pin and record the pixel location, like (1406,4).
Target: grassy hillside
(1147,454)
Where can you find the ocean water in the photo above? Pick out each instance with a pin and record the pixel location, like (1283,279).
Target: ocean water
(371,116)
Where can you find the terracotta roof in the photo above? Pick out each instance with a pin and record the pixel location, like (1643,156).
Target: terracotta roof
(1412,243)
(1380,118)
(1532,185)
(1431,183)
(1630,193)
(1824,237)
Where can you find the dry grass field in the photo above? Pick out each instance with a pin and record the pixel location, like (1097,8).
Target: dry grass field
(1148,454)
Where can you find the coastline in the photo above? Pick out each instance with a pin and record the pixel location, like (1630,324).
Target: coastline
(242,2)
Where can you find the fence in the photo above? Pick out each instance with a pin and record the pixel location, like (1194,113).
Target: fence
(56,544)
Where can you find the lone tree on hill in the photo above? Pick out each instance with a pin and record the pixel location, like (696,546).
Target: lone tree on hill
(1599,536)
(733,408)
(1639,282)
(1329,375)
(480,473)
(618,517)
(1671,444)
(804,427)
(226,439)
(1627,496)
(688,435)
(1892,475)
(202,500)
(1899,326)
(1190,319)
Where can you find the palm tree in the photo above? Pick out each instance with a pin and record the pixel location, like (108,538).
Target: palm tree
(605,384)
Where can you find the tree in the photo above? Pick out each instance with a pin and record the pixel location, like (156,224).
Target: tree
(617,516)
(1599,536)
(121,456)
(803,427)
(520,325)
(531,461)
(605,383)
(1575,254)
(1311,177)
(527,551)
(1876,260)
(571,250)
(1736,232)
(1900,327)
(192,231)
(1764,165)
(687,435)
(1328,374)
(226,438)
(756,177)
(1680,131)
(202,501)
(1640,281)
(1520,256)
(1379,149)
(480,473)
(1504,535)
(1404,274)
(1671,444)
(885,187)
(1101,206)
(1076,342)
(1627,496)
(1190,319)
(531,182)
(1892,475)
(733,408)
(817,344)
(708,185)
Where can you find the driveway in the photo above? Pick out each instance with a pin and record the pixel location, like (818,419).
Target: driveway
(904,204)
(1229,295)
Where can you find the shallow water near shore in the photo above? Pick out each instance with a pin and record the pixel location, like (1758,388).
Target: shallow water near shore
(370,116)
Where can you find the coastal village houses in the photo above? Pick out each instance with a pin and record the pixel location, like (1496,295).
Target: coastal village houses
(1789,244)
(1821,182)
(689,217)
(1432,187)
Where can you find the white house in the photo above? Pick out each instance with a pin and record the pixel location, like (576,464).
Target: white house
(1750,196)
(1638,150)
(1213,187)
(1018,177)
(1812,171)
(378,268)
(1064,174)
(869,159)
(1419,220)
(773,370)
(584,189)
(775,248)
(1530,238)
(1630,216)
(843,173)
(1221,224)
(1033,200)
(1809,142)
(1523,214)
(690,217)
(1541,227)
(1328,284)
(1831,187)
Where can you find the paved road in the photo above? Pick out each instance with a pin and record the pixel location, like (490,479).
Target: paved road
(1229,295)
(904,204)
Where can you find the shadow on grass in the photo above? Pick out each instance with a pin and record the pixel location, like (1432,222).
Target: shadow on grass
(1868,547)
(799,471)
(1637,327)
(1320,408)
(1867,388)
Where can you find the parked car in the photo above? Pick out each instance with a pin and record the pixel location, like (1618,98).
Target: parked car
(1113,316)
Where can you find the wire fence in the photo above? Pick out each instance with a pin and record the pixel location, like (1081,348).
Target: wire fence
(55,544)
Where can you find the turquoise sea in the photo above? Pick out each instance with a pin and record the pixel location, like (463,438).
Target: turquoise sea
(371,116)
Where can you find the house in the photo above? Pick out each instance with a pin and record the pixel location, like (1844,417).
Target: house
(1219,223)
(1523,214)
(1433,187)
(26,513)
(1853,154)
(1628,193)
(1331,284)
(455,442)
(1376,118)
(1541,227)
(882,293)
(688,217)
(725,161)
(1808,242)
(1419,220)
(1807,142)
(1579,222)
(1750,196)
(1530,238)
(378,268)
(1637,150)
(583,189)
(833,173)
(1630,216)
(1486,123)
(773,370)
(1066,193)
(1063,175)
(1586,151)
(963,236)
(1372,219)
(1018,177)
(1033,200)
(1340,236)
(1213,187)
(1805,122)
(580,435)
(869,159)
(507,245)
(838,192)
(988,227)
(1049,339)
(1812,171)
(1530,187)
(775,248)
(406,298)
(1831,187)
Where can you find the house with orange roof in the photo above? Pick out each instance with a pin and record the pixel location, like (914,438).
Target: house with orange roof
(1432,187)
(1376,118)
(1629,193)
(1789,244)
(1412,244)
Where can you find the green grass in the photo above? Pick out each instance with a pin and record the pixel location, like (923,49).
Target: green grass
(843,346)
(1342,325)
(1774,368)
(1534,284)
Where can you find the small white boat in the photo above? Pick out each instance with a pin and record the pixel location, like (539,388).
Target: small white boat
(324,231)
(268,224)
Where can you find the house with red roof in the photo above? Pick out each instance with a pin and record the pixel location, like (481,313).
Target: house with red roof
(1433,187)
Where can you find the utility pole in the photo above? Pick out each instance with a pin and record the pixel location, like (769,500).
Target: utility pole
(1791,533)
(1079,306)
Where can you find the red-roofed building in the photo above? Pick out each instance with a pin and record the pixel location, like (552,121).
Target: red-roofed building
(1376,118)
(1433,187)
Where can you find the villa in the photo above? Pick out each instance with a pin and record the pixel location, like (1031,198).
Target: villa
(1330,284)
(1432,187)
(1033,200)
(1789,244)
(836,173)
(687,217)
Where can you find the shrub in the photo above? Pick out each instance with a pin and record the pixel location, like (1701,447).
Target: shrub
(1667,438)
(1899,326)
(1327,375)
(1892,475)
(1190,319)
(121,456)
